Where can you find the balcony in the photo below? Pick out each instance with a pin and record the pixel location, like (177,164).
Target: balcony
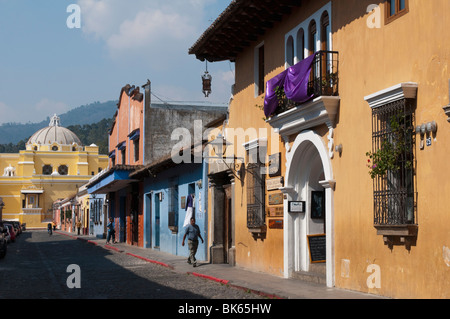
(323,81)
(324,75)
(319,103)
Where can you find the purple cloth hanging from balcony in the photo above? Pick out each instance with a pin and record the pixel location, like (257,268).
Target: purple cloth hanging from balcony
(270,100)
(295,82)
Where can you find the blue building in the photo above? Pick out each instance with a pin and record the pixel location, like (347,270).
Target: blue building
(120,194)
(167,186)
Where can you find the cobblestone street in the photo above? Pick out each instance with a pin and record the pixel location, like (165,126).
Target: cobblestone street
(36,267)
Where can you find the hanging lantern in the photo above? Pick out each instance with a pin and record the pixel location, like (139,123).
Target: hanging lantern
(206,80)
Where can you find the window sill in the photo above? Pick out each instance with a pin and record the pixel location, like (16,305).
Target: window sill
(258,230)
(398,234)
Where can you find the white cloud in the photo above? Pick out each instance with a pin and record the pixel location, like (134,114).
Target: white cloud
(227,76)
(149,31)
(141,28)
(46,107)
(154,37)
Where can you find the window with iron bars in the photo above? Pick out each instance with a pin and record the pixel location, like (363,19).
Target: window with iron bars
(173,206)
(393,145)
(255,182)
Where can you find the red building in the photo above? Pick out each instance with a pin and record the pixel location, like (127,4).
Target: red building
(125,154)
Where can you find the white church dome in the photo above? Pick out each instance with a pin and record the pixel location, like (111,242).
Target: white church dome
(54,133)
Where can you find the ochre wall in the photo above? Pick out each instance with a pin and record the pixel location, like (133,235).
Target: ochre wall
(412,48)
(261,254)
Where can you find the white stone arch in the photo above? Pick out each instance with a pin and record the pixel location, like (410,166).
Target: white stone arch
(307,147)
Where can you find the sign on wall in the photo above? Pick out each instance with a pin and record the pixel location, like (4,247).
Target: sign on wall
(276,199)
(296,206)
(276,224)
(274,183)
(275,165)
(275,211)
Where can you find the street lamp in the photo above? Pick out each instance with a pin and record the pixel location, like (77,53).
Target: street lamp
(206,81)
(220,145)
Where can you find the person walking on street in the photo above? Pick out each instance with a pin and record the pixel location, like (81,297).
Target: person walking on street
(78,227)
(192,233)
(111,231)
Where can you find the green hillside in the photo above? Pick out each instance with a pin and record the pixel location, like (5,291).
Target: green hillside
(96,133)
(86,114)
(89,122)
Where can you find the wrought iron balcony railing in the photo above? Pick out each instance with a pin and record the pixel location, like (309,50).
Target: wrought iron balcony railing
(323,81)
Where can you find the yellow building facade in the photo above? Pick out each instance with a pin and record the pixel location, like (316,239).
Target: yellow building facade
(383,80)
(53,166)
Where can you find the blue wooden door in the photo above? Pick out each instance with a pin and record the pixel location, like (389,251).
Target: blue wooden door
(157,220)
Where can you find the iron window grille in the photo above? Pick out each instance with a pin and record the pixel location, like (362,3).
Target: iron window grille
(255,182)
(173,208)
(394,196)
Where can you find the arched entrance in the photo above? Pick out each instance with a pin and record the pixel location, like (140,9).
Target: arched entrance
(309,179)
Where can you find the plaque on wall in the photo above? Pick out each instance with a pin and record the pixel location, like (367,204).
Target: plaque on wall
(276,199)
(276,224)
(296,207)
(274,183)
(275,211)
(183,202)
(275,165)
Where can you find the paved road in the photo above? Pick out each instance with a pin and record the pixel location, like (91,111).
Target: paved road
(36,267)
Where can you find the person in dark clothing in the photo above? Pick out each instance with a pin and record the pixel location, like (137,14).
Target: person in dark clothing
(192,233)
(111,231)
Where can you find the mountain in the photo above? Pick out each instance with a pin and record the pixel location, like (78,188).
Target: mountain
(82,115)
(96,133)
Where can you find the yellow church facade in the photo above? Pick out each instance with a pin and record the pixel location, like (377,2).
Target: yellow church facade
(53,166)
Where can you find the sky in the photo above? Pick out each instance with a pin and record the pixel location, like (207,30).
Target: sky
(47,67)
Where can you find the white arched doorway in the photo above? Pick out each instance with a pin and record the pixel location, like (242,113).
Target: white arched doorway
(308,176)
